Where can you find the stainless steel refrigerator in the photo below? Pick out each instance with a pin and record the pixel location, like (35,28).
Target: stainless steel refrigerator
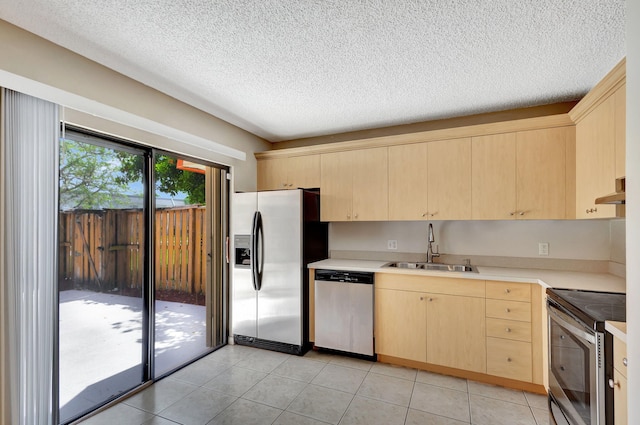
(275,235)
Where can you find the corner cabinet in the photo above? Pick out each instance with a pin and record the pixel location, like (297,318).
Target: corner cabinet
(354,185)
(600,143)
(289,172)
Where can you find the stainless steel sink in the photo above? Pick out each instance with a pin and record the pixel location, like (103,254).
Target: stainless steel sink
(434,267)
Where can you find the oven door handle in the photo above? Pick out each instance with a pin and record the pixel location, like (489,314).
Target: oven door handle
(564,321)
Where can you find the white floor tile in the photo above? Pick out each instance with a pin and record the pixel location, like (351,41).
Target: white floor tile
(197,408)
(323,404)
(364,411)
(491,411)
(245,412)
(387,388)
(340,378)
(161,395)
(440,401)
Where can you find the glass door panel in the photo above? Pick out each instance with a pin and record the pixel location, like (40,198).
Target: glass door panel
(102,323)
(182,260)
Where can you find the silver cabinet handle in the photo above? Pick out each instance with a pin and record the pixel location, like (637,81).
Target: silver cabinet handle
(425,214)
(613,384)
(508,310)
(521,213)
(624,361)
(507,291)
(512,213)
(508,329)
(509,359)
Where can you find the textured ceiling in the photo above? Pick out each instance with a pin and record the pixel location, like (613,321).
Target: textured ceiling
(287,69)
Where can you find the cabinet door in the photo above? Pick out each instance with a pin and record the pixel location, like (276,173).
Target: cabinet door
(619,398)
(620,129)
(595,161)
(370,184)
(303,172)
(400,324)
(456,332)
(449,178)
(493,182)
(408,182)
(541,173)
(272,174)
(336,186)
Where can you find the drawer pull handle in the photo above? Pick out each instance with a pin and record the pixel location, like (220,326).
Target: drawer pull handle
(624,361)
(509,359)
(613,384)
(430,299)
(507,291)
(508,329)
(421,298)
(561,336)
(508,310)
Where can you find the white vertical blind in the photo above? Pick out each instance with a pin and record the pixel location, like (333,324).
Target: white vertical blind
(29,167)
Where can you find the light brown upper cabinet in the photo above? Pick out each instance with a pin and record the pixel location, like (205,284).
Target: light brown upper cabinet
(354,185)
(521,175)
(449,178)
(600,119)
(541,173)
(595,160)
(408,180)
(430,181)
(620,116)
(289,173)
(493,181)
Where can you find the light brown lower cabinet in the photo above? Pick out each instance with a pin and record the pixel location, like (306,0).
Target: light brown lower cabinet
(426,324)
(473,328)
(619,382)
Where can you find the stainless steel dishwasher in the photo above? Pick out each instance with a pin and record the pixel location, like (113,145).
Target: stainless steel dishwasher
(344,311)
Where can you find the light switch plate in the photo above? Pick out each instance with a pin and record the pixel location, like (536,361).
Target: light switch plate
(543,248)
(392,244)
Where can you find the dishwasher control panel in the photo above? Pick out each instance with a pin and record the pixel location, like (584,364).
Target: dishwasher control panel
(344,276)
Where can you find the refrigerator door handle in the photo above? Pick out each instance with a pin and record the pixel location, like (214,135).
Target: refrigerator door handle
(254,251)
(259,251)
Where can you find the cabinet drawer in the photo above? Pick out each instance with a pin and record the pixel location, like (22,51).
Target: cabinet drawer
(509,329)
(509,291)
(509,359)
(511,310)
(620,356)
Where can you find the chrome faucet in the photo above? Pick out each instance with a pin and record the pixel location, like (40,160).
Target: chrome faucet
(430,254)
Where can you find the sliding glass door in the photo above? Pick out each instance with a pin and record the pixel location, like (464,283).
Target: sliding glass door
(102,236)
(141,267)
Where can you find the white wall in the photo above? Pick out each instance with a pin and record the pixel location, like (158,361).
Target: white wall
(37,67)
(633,208)
(568,239)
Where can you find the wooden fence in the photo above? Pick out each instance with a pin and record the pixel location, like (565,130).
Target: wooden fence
(104,250)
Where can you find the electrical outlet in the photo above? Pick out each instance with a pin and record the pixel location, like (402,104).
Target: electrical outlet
(543,248)
(392,244)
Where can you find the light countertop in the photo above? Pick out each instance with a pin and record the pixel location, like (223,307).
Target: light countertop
(618,329)
(546,278)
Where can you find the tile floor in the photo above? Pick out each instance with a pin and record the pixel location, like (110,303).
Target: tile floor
(245,386)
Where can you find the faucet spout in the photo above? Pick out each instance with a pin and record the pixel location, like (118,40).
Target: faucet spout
(431,239)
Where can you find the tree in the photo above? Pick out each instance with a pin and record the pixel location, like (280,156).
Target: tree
(96,177)
(91,176)
(169,179)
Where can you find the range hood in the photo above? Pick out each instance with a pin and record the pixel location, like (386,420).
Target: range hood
(619,197)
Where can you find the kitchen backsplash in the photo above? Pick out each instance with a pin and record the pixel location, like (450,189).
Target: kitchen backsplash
(594,240)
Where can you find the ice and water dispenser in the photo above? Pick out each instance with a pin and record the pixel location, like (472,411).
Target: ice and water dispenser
(242,245)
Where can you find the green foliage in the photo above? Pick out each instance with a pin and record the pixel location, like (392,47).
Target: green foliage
(169,179)
(90,176)
(95,177)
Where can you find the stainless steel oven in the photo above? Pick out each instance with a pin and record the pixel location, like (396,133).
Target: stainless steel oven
(580,355)
(576,369)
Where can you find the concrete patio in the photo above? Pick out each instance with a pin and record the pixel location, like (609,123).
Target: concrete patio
(101,344)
